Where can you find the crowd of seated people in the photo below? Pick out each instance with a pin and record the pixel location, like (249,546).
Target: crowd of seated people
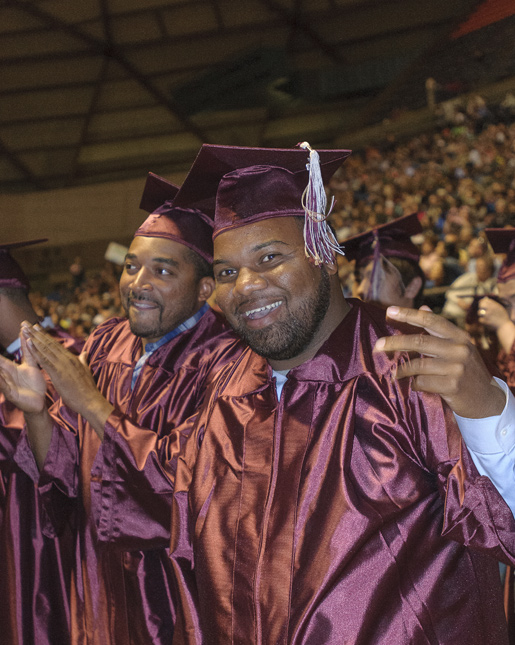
(81,306)
(459,179)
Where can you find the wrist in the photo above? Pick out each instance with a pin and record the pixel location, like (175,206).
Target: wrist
(35,414)
(97,413)
(496,400)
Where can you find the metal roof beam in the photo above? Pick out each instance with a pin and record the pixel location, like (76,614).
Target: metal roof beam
(296,21)
(111,51)
(20,166)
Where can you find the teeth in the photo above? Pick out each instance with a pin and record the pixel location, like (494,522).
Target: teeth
(274,305)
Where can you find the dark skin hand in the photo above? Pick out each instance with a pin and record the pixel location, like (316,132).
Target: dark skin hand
(445,362)
(70,377)
(23,383)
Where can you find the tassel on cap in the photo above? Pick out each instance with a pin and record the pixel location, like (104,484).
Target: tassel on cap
(376,274)
(320,242)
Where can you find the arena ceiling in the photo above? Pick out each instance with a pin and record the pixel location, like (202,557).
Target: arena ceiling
(98,90)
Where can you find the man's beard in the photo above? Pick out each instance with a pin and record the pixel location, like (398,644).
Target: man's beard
(144,329)
(286,339)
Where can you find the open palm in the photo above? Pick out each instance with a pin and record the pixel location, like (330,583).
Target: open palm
(23,384)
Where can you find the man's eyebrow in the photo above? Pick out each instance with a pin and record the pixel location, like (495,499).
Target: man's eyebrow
(254,249)
(170,261)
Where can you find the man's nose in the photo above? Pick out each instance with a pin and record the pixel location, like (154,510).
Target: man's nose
(249,281)
(141,281)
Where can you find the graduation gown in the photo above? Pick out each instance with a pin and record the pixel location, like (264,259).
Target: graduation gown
(122,596)
(35,570)
(348,511)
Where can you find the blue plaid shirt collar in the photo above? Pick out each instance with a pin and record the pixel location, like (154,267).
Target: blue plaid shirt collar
(150,348)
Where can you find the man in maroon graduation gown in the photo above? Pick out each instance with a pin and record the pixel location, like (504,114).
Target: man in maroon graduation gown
(35,570)
(320,499)
(317,498)
(151,372)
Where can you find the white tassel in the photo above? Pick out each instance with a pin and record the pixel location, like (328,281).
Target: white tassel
(319,240)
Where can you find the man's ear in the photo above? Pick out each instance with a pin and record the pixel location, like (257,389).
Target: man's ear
(413,287)
(206,287)
(331,267)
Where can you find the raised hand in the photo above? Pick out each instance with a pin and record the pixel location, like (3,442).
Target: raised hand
(23,383)
(491,313)
(447,363)
(70,377)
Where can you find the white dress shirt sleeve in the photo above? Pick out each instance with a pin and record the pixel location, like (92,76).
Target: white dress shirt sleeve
(491,444)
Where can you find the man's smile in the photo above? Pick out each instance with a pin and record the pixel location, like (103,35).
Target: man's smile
(143,304)
(261,312)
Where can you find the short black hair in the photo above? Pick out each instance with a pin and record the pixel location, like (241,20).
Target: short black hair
(203,269)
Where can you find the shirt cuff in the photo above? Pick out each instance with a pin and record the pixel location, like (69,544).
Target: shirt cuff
(491,435)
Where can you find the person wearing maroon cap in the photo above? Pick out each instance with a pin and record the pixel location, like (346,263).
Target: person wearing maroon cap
(322,494)
(387,268)
(498,314)
(33,567)
(16,307)
(147,374)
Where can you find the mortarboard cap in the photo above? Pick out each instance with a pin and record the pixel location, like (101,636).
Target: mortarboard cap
(187,226)
(502,240)
(239,186)
(11,273)
(392,239)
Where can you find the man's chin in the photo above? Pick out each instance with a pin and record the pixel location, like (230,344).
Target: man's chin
(143,332)
(270,343)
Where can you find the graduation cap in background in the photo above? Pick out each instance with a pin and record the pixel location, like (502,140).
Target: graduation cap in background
(502,240)
(389,240)
(11,273)
(392,239)
(188,226)
(239,186)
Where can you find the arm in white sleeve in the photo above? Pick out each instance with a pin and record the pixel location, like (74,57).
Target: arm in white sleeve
(491,444)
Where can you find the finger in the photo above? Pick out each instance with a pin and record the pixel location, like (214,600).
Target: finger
(430,366)
(44,341)
(5,363)
(6,383)
(83,358)
(420,343)
(45,349)
(432,384)
(28,356)
(432,323)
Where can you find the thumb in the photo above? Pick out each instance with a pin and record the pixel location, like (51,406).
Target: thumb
(28,356)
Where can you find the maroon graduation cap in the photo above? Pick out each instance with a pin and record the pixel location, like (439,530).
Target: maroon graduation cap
(11,273)
(392,239)
(188,226)
(239,186)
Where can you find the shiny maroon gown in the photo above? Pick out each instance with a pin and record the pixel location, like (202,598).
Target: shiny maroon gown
(347,512)
(125,595)
(35,570)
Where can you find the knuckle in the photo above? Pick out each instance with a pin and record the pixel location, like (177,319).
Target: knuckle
(420,341)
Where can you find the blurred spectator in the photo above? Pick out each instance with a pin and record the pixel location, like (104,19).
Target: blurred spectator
(461,292)
(77,272)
